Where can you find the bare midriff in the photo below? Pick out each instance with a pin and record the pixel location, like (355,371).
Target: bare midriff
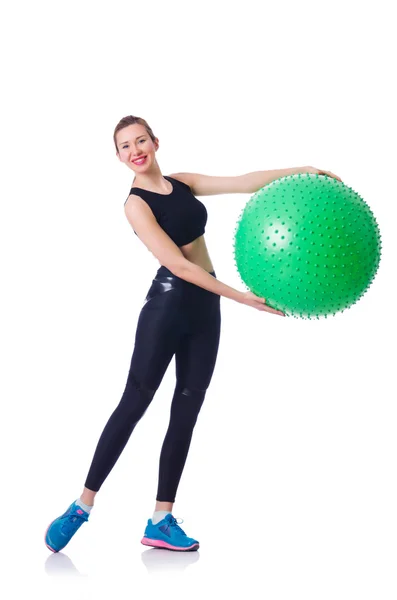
(197,253)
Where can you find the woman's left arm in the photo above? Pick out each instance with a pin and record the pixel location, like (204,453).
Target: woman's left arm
(208,185)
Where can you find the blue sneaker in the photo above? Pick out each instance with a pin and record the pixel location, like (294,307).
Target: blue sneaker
(62,529)
(167,534)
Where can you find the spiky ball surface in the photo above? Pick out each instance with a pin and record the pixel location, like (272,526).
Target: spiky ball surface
(308,244)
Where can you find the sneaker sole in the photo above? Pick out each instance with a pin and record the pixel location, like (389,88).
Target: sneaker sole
(160,544)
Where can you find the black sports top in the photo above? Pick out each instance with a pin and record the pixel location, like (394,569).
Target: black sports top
(182,216)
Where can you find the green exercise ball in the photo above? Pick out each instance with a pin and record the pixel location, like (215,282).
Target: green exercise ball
(308,244)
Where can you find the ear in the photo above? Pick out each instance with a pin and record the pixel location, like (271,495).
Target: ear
(156,143)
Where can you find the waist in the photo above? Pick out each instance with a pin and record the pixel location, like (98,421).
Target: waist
(163,271)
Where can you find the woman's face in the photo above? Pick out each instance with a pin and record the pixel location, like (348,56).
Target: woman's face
(134,143)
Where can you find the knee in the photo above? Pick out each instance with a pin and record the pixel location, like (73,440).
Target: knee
(186,406)
(137,397)
(193,393)
(146,390)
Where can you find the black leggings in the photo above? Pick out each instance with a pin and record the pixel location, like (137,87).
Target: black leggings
(178,318)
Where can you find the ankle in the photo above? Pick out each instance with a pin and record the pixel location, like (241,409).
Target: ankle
(86,501)
(159,515)
(168,506)
(88,497)
(86,507)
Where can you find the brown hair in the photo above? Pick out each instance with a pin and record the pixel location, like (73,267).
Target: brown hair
(130,120)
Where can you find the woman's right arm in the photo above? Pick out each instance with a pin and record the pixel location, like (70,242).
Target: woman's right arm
(144,223)
(195,274)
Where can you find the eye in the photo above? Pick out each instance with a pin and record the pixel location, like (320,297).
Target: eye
(126,145)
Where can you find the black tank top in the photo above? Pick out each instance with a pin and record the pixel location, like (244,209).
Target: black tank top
(182,216)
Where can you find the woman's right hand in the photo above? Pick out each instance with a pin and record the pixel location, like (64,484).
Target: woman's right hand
(316,171)
(250,299)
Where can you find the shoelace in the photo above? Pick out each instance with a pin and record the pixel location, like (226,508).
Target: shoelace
(172,522)
(72,523)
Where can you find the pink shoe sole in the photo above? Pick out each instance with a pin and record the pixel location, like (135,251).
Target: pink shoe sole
(160,544)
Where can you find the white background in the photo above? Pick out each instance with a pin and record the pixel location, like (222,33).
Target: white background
(290,483)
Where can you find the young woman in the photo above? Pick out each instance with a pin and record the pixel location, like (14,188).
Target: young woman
(180,316)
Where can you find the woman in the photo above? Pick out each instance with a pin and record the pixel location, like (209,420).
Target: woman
(180,316)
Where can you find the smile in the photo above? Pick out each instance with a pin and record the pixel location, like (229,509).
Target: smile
(139,161)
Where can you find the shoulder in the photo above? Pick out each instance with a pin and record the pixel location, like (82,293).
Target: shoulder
(135,203)
(138,210)
(135,199)
(185,178)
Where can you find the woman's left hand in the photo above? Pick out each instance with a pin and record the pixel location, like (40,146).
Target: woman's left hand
(321,172)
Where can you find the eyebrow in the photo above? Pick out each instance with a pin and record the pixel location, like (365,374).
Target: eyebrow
(139,136)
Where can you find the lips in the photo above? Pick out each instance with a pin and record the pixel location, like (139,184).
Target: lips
(140,161)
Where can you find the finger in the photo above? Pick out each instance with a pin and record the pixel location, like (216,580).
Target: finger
(273,310)
(276,312)
(332,175)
